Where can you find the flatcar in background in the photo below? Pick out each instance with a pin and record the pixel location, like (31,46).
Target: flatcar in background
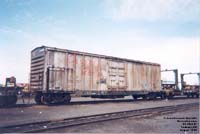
(56,74)
(188,89)
(171,88)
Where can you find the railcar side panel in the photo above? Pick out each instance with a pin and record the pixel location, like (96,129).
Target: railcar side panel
(78,73)
(95,72)
(75,71)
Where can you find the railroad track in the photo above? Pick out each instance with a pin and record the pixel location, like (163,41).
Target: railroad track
(68,122)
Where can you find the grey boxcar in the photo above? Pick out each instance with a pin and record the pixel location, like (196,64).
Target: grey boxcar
(56,74)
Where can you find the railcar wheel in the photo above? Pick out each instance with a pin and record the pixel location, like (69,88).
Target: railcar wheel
(67,98)
(151,96)
(163,96)
(197,95)
(144,97)
(46,99)
(38,97)
(188,96)
(135,97)
(170,96)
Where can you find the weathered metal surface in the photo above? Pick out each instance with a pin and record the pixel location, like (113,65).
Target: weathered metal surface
(72,70)
(37,69)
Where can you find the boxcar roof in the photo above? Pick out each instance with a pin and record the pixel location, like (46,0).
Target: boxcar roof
(96,55)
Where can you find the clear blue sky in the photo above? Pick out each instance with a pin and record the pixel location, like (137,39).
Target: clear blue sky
(166,32)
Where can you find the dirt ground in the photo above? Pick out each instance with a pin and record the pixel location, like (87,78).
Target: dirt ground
(170,123)
(20,115)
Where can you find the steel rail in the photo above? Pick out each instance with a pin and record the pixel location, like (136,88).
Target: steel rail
(75,121)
